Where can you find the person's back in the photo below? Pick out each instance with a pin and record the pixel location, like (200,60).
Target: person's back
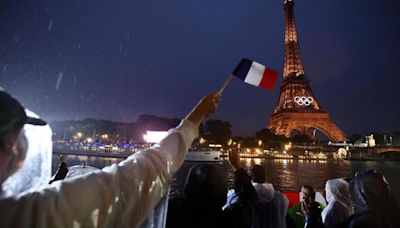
(271,206)
(205,194)
(271,213)
(374,204)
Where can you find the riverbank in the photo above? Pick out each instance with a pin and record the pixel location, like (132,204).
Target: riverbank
(123,155)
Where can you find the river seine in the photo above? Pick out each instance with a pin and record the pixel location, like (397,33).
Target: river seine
(286,175)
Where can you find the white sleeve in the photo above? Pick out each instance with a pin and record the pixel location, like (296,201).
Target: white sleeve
(120,195)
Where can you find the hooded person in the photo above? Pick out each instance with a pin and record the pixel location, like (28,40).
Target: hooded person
(271,206)
(26,149)
(205,193)
(339,206)
(121,195)
(373,202)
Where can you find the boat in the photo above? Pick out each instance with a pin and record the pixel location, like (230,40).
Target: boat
(203,155)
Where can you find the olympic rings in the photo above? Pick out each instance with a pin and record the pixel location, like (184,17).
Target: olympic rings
(303,100)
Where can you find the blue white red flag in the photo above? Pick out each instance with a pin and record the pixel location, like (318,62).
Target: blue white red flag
(256,74)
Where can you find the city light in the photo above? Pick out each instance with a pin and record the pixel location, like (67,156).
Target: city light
(155,136)
(89,140)
(288,146)
(79,135)
(202,140)
(104,136)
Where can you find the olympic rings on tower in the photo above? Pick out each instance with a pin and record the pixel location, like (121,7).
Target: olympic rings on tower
(303,100)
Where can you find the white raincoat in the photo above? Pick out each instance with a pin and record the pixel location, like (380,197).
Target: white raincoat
(271,206)
(339,205)
(121,195)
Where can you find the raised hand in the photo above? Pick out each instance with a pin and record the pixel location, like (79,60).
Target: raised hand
(234,159)
(206,106)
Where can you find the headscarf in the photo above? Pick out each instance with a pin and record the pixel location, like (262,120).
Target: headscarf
(35,165)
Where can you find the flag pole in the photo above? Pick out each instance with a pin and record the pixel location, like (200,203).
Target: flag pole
(225,84)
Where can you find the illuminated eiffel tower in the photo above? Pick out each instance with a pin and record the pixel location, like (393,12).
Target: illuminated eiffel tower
(297,108)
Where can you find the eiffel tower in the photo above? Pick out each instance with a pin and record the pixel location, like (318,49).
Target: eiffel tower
(297,108)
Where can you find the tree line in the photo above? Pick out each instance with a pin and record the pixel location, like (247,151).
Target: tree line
(213,131)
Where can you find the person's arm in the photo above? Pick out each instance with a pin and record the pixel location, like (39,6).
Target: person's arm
(119,195)
(242,181)
(240,213)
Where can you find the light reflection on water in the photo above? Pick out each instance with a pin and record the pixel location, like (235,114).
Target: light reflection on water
(285,174)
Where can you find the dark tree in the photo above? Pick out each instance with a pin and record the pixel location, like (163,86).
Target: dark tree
(269,139)
(249,142)
(301,139)
(218,131)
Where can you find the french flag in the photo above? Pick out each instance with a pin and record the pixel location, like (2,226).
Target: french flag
(256,74)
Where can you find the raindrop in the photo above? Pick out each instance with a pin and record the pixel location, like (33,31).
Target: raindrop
(60,75)
(5,68)
(50,25)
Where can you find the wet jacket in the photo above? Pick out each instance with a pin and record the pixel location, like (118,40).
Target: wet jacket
(270,208)
(185,212)
(121,195)
(374,204)
(339,206)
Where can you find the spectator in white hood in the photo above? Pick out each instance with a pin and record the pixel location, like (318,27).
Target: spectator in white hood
(339,205)
(121,195)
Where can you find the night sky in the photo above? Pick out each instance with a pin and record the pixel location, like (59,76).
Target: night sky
(122,58)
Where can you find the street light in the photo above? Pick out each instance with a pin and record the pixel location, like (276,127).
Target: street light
(202,140)
(79,134)
(89,140)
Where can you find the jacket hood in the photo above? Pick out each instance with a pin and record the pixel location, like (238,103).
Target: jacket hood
(338,190)
(265,191)
(339,204)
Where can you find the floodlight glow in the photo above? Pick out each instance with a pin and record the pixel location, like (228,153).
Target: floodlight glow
(155,136)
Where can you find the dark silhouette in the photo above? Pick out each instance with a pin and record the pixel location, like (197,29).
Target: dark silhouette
(271,206)
(205,194)
(61,172)
(218,131)
(373,202)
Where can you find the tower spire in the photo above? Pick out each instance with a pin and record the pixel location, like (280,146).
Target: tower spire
(297,108)
(292,65)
